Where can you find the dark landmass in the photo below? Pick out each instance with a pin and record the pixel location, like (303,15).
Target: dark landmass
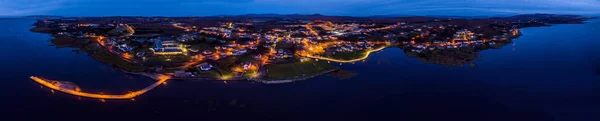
(43,17)
(8,18)
(271,46)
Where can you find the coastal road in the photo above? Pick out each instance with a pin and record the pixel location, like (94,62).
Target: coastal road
(346,61)
(48,83)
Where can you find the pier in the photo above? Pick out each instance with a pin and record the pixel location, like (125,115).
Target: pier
(55,85)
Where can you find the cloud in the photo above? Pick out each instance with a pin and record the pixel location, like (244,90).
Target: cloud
(8,8)
(329,7)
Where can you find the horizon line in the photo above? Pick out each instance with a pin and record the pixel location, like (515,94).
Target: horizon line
(375,15)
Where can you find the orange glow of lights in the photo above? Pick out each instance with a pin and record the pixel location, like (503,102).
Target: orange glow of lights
(237,69)
(347,61)
(100,40)
(252,67)
(226,77)
(127,56)
(198,59)
(52,85)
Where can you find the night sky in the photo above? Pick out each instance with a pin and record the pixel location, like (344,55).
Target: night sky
(327,7)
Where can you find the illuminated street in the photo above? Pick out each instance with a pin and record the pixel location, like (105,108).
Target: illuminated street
(49,84)
(347,61)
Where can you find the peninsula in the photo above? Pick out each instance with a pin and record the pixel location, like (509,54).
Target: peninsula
(275,48)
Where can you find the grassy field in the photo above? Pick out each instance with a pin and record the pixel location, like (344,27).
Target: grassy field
(348,55)
(65,41)
(224,65)
(211,73)
(145,50)
(250,73)
(108,58)
(178,58)
(117,31)
(43,29)
(291,70)
(247,57)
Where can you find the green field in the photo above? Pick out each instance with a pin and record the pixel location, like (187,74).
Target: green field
(348,55)
(292,70)
(108,58)
(118,30)
(250,73)
(43,29)
(211,73)
(224,65)
(65,41)
(178,58)
(247,57)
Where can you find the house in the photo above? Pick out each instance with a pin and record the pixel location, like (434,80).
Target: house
(258,57)
(304,59)
(240,52)
(207,52)
(167,48)
(141,54)
(88,25)
(182,73)
(204,67)
(249,66)
(194,50)
(125,48)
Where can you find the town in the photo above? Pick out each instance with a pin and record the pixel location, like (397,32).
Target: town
(279,49)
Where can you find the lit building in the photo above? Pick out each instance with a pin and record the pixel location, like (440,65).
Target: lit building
(167,48)
(204,67)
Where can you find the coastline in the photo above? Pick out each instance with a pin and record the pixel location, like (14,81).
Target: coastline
(149,75)
(153,75)
(264,81)
(281,81)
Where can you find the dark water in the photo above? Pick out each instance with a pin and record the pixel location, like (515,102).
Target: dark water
(549,74)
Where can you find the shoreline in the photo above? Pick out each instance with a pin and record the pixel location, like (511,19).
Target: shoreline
(155,76)
(281,81)
(39,28)
(367,53)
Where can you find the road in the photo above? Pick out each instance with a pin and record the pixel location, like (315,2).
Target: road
(181,27)
(48,83)
(312,31)
(346,61)
(130,29)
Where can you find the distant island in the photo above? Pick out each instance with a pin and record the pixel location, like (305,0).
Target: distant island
(8,18)
(273,48)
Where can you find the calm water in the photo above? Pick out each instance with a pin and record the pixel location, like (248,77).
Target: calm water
(550,73)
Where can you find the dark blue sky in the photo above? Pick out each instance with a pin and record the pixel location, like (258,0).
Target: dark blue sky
(327,7)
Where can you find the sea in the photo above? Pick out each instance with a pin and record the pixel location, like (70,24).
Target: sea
(548,74)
